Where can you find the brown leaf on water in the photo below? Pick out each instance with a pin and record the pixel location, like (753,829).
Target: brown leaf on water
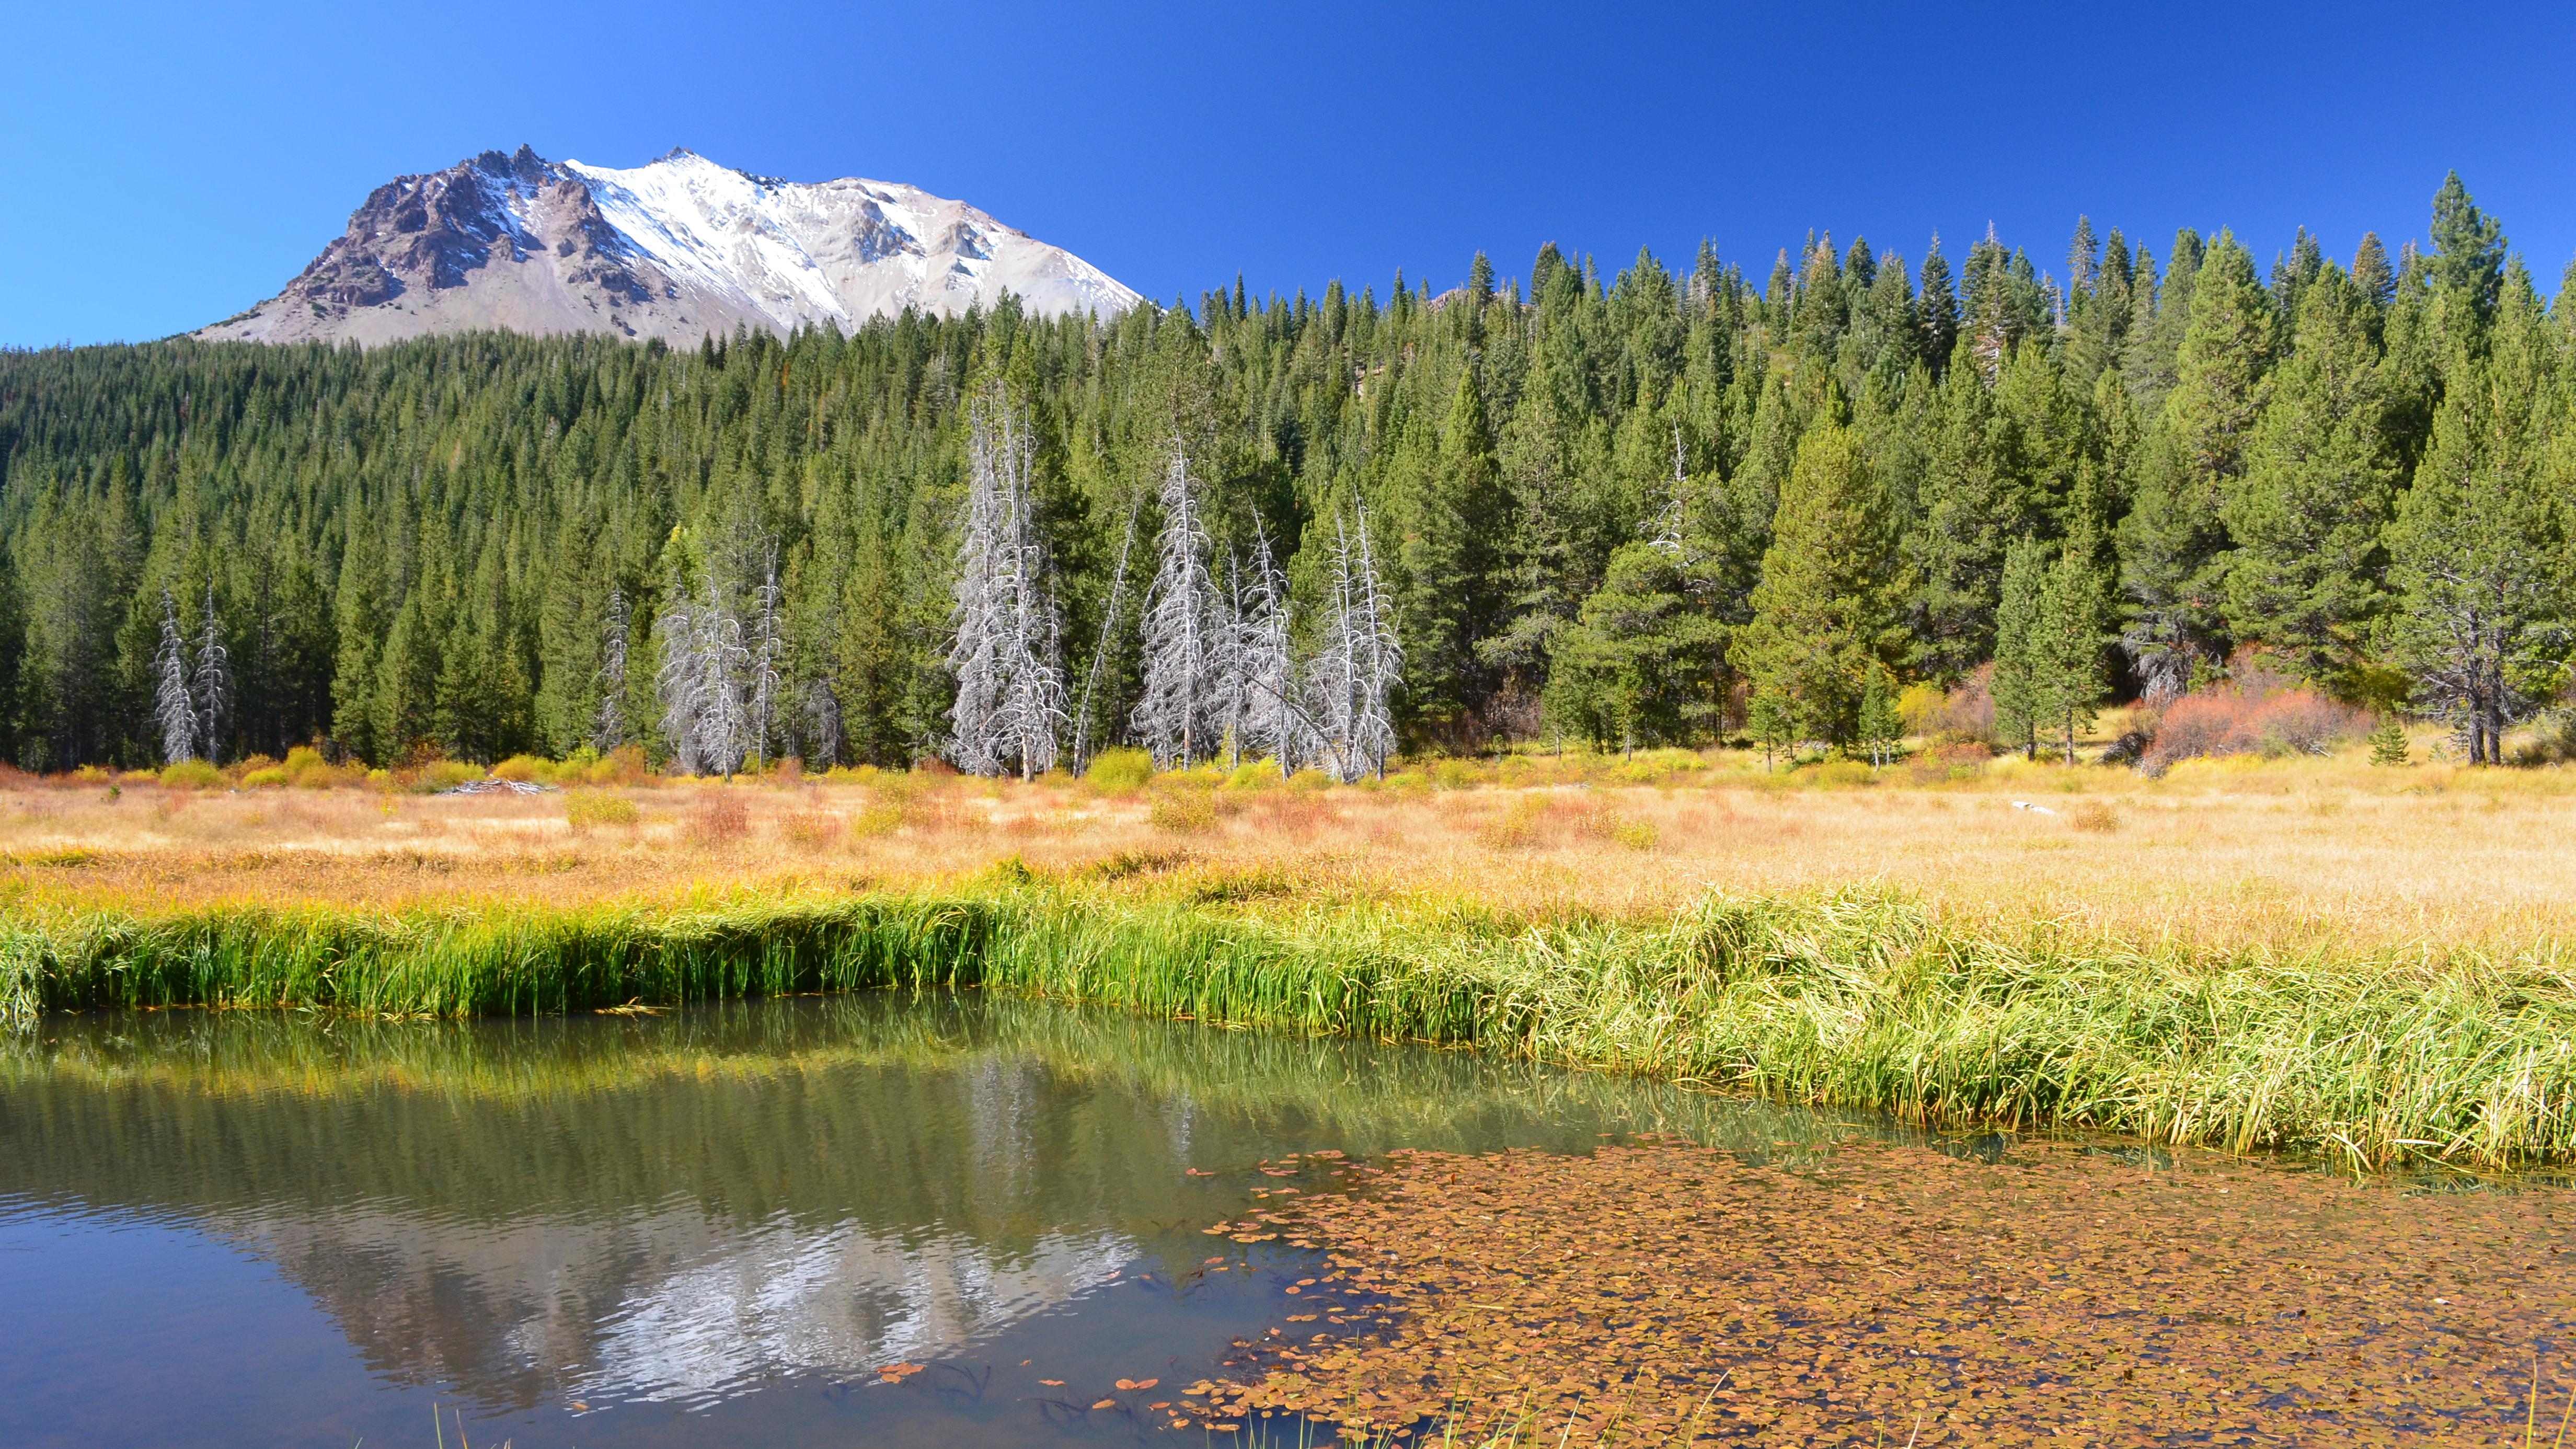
(1876,1294)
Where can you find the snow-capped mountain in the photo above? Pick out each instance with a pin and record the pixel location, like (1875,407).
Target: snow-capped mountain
(676,249)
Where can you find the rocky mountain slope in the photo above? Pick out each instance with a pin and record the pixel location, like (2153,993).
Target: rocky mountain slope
(675,249)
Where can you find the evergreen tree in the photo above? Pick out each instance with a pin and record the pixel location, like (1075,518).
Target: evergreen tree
(419,547)
(2308,572)
(2477,547)
(13,655)
(2021,647)
(2174,541)
(1450,516)
(1881,728)
(1965,511)
(1827,602)
(1938,307)
(2465,271)
(2388,742)
(2371,273)
(1641,663)
(2064,646)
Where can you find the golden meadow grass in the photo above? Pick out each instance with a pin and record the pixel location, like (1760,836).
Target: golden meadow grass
(2219,854)
(2313,954)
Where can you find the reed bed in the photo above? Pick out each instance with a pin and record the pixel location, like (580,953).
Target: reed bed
(1855,998)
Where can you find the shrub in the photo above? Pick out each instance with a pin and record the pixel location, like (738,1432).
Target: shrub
(1964,714)
(437,775)
(621,766)
(587,810)
(2249,717)
(526,769)
(881,817)
(1183,812)
(1253,775)
(191,775)
(811,828)
(1837,774)
(721,819)
(2096,816)
(1454,775)
(267,777)
(1635,834)
(1921,707)
(1119,769)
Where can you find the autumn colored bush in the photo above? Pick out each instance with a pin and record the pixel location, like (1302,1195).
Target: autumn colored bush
(2260,718)
(720,819)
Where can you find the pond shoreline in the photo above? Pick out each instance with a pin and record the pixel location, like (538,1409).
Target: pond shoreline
(1854,999)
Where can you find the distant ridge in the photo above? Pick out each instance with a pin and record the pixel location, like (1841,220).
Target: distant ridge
(678,248)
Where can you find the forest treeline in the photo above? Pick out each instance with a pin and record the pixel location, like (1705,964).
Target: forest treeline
(1643,507)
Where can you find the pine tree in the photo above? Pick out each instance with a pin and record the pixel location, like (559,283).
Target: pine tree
(1881,727)
(2065,645)
(1826,604)
(2308,572)
(1451,512)
(1641,662)
(1938,307)
(2174,541)
(2465,270)
(2372,274)
(2021,662)
(2388,744)
(2477,547)
(13,654)
(1967,508)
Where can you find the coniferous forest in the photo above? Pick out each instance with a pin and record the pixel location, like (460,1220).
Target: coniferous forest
(1627,507)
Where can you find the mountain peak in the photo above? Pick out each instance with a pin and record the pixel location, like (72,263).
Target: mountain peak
(678,248)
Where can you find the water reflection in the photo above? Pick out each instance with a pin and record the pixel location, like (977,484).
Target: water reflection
(739,1212)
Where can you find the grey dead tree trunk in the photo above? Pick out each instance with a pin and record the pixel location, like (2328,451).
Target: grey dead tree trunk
(172,707)
(703,681)
(1108,631)
(676,682)
(766,657)
(608,726)
(1360,662)
(1007,651)
(1179,719)
(214,680)
(1272,721)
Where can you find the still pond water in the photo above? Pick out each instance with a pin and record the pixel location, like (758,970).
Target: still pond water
(710,1227)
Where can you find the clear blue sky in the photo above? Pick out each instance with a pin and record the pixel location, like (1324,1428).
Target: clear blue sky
(164,165)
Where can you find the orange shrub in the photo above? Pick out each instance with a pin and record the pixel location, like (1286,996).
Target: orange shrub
(2263,719)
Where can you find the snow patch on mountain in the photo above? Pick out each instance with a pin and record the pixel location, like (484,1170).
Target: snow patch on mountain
(678,248)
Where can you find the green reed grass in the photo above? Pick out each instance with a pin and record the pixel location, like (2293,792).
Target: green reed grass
(1855,999)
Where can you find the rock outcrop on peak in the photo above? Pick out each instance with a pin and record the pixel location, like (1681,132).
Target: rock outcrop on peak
(677,249)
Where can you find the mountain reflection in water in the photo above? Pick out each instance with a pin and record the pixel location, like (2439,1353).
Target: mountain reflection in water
(742,1212)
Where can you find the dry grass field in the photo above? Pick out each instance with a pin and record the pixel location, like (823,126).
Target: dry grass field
(2242,852)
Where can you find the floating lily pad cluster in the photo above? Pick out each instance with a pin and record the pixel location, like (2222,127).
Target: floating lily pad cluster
(1661,1292)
